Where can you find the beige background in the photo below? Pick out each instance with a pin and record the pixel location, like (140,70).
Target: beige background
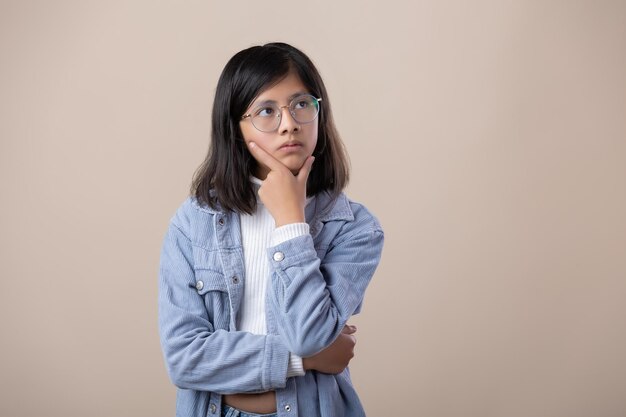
(489,137)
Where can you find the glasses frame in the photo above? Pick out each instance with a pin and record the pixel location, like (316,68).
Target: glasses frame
(279,116)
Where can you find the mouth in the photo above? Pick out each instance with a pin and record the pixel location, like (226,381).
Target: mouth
(292,144)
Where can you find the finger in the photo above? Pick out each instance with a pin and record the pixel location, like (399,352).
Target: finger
(348,329)
(350,339)
(265,158)
(304,172)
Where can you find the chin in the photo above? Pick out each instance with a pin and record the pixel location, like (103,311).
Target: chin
(293,165)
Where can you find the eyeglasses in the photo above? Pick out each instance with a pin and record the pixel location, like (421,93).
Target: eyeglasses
(266,117)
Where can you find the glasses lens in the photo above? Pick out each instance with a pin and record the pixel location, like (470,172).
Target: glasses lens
(266,118)
(304,108)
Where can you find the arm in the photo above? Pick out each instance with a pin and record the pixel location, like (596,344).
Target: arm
(197,355)
(311,299)
(334,358)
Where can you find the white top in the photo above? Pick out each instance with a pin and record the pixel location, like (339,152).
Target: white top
(259,232)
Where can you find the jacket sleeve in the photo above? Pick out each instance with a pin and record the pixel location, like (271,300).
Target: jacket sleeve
(197,356)
(312,299)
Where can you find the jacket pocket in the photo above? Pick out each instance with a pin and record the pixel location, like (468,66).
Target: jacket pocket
(211,286)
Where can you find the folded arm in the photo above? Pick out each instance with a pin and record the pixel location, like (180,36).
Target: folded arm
(198,356)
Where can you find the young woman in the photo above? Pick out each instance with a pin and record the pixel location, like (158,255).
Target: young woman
(263,266)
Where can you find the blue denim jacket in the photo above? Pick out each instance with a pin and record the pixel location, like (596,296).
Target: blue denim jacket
(317,282)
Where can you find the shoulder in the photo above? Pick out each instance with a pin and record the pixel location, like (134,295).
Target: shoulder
(352,217)
(364,217)
(189,213)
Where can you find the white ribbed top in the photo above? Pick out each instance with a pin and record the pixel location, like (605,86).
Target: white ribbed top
(259,232)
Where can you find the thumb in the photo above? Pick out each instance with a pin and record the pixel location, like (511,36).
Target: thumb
(304,172)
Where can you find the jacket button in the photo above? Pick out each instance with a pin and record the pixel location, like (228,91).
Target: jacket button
(287,408)
(235,280)
(199,285)
(221,221)
(213,408)
(279,256)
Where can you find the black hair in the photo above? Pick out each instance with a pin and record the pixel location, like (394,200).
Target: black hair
(224,175)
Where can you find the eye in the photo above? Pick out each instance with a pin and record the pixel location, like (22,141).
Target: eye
(302,104)
(264,111)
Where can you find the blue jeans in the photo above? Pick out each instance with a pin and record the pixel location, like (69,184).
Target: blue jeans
(228,411)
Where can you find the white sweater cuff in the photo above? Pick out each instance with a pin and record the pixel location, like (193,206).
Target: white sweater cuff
(295,367)
(289,231)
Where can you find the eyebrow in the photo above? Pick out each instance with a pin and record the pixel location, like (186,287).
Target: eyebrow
(291,97)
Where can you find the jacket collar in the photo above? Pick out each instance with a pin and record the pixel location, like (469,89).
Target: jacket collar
(325,209)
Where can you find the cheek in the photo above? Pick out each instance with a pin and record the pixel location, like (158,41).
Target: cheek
(252,135)
(245,133)
(314,137)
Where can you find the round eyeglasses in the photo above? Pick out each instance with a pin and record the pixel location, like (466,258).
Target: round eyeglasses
(267,116)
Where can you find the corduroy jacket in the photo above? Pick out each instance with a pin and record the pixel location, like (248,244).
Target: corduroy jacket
(316,283)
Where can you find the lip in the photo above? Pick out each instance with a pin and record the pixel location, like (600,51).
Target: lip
(292,144)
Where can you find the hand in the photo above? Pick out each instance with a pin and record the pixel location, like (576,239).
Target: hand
(335,358)
(282,192)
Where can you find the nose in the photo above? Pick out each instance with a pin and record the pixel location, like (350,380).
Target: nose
(287,122)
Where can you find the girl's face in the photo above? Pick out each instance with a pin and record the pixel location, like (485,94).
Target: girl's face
(292,143)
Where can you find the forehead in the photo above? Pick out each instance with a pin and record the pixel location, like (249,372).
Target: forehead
(283,91)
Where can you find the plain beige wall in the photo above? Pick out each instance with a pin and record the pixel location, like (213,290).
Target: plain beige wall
(488,137)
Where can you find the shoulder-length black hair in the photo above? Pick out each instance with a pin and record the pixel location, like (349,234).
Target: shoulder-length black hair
(224,176)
